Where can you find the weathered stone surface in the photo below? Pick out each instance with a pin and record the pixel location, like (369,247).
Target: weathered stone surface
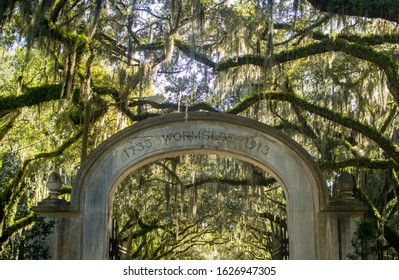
(210,133)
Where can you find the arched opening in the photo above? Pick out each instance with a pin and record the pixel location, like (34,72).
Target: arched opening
(315,230)
(199,206)
(178,134)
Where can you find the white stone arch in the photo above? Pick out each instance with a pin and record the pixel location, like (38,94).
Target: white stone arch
(317,228)
(213,133)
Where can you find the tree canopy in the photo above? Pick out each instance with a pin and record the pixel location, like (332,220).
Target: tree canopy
(365,8)
(73,73)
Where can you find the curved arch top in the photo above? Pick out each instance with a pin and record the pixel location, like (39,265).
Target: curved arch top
(200,132)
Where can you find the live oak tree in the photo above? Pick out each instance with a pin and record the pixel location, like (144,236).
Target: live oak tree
(75,72)
(388,10)
(188,208)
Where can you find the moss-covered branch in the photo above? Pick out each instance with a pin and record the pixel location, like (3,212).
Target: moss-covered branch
(172,106)
(247,102)
(369,40)
(41,94)
(166,107)
(366,130)
(353,45)
(361,162)
(17,225)
(62,34)
(366,53)
(9,124)
(232,182)
(391,149)
(384,9)
(32,96)
(388,121)
(12,191)
(188,50)
(191,52)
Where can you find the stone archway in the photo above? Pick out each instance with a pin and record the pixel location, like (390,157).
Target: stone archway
(84,226)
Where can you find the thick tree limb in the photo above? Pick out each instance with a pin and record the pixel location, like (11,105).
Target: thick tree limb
(57,9)
(391,149)
(76,42)
(366,53)
(369,40)
(11,192)
(351,45)
(361,162)
(32,96)
(144,227)
(190,52)
(41,94)
(172,106)
(367,130)
(384,9)
(233,182)
(21,223)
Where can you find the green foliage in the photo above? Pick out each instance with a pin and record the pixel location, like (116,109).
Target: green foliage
(369,242)
(174,211)
(8,166)
(31,243)
(331,83)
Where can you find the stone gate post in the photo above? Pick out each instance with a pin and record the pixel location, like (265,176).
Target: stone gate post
(64,241)
(317,228)
(340,220)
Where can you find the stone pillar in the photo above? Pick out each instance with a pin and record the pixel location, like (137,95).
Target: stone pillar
(58,210)
(341,218)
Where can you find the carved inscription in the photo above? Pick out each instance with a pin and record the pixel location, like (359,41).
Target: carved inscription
(202,134)
(257,146)
(138,146)
(248,143)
